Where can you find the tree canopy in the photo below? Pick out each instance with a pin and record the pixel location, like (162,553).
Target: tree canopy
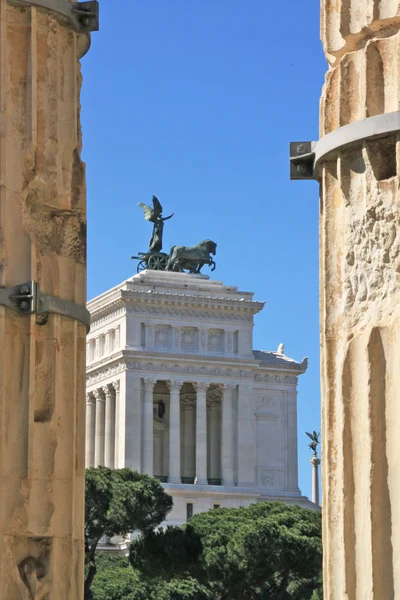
(119,502)
(266,551)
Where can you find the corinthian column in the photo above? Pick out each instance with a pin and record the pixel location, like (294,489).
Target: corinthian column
(201,433)
(360,304)
(42,356)
(90,429)
(109,441)
(100,428)
(147,437)
(175,432)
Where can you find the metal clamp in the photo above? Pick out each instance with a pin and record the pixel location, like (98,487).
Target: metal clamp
(27,299)
(306,158)
(82,16)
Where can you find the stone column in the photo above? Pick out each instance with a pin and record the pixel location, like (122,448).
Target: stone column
(117,461)
(315,462)
(148,426)
(100,428)
(189,435)
(109,443)
(215,439)
(360,306)
(42,357)
(90,429)
(227,435)
(201,433)
(174,432)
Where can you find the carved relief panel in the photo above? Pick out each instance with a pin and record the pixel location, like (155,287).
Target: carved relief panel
(216,340)
(189,338)
(162,336)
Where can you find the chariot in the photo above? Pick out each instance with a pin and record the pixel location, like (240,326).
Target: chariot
(156,261)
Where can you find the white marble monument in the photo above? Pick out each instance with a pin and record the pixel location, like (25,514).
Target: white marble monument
(175,389)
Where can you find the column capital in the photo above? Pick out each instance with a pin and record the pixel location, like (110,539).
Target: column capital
(116,385)
(107,389)
(175,385)
(99,395)
(149,384)
(315,461)
(89,398)
(201,386)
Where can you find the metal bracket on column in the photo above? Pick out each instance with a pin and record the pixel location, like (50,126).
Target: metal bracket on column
(27,299)
(82,16)
(306,158)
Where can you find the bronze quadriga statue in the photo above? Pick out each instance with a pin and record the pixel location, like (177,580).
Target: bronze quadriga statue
(181,259)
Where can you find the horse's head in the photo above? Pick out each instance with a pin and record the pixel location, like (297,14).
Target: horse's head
(209,246)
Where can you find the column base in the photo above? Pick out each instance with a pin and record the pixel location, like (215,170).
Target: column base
(198,481)
(174,480)
(228,482)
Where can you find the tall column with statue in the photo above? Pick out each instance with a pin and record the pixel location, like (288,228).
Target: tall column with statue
(360,298)
(314,462)
(43,320)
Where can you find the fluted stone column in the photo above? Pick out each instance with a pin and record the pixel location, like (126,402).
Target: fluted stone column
(90,429)
(100,428)
(189,438)
(174,432)
(116,385)
(109,442)
(360,306)
(148,426)
(227,434)
(201,433)
(42,357)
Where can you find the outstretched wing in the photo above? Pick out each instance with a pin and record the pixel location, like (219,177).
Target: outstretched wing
(316,436)
(157,207)
(310,435)
(148,211)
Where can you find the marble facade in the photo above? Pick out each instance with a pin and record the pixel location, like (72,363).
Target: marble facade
(175,390)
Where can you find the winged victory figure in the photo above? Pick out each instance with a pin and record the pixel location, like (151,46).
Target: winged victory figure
(314,437)
(155,216)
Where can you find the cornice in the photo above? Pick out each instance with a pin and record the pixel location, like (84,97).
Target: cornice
(172,304)
(185,369)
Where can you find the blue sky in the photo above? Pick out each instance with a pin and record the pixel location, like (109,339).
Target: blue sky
(196,102)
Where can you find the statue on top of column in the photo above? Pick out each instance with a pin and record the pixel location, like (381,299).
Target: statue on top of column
(314,437)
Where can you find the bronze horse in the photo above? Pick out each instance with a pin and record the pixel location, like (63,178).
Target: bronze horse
(192,258)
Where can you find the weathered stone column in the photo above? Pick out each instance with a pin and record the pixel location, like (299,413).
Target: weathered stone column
(201,433)
(42,356)
(360,306)
(147,438)
(175,432)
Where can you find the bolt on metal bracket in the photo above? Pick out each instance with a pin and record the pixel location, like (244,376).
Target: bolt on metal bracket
(306,158)
(82,16)
(27,299)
